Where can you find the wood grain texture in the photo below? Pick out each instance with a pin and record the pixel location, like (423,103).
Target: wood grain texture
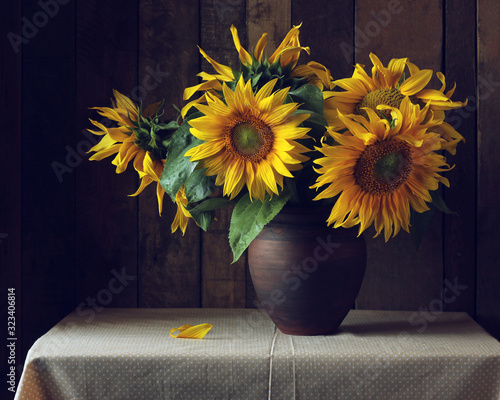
(398,276)
(10,160)
(271,16)
(223,284)
(169,265)
(106,218)
(460,231)
(400,28)
(48,115)
(328,29)
(488,236)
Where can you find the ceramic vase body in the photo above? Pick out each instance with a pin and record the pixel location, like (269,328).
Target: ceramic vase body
(306,274)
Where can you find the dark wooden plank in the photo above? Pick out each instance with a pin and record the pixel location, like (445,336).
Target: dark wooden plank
(10,184)
(216,18)
(223,283)
(398,276)
(488,236)
(48,115)
(395,29)
(106,218)
(460,231)
(169,265)
(271,16)
(328,29)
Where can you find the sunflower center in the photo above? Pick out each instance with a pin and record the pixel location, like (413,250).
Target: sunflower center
(389,97)
(384,166)
(249,138)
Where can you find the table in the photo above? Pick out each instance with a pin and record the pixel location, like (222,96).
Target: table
(129,354)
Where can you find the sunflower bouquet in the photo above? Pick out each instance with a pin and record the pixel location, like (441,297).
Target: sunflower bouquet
(273,133)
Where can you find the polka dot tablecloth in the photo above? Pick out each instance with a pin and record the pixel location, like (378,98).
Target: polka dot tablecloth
(382,355)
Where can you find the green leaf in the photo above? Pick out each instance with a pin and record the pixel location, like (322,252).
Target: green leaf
(250,217)
(199,186)
(419,222)
(439,203)
(236,75)
(211,204)
(170,125)
(255,79)
(204,219)
(177,167)
(204,213)
(314,118)
(317,123)
(401,80)
(311,97)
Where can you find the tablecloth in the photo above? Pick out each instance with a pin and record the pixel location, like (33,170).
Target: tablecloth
(128,354)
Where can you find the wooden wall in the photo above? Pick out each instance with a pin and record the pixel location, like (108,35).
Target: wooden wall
(69,234)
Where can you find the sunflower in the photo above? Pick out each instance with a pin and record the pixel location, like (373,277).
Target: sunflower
(381,169)
(287,54)
(249,139)
(388,86)
(121,140)
(182,215)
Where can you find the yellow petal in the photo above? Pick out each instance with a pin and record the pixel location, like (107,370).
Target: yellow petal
(233,177)
(244,56)
(413,68)
(190,331)
(259,49)
(105,153)
(432,94)
(416,82)
(186,108)
(286,41)
(204,150)
(160,192)
(376,61)
(278,165)
(291,54)
(265,174)
(189,91)
(266,90)
(105,143)
(125,103)
(352,85)
(221,69)
(397,67)
(145,181)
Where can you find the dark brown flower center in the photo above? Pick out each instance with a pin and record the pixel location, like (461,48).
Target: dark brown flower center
(248,138)
(384,166)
